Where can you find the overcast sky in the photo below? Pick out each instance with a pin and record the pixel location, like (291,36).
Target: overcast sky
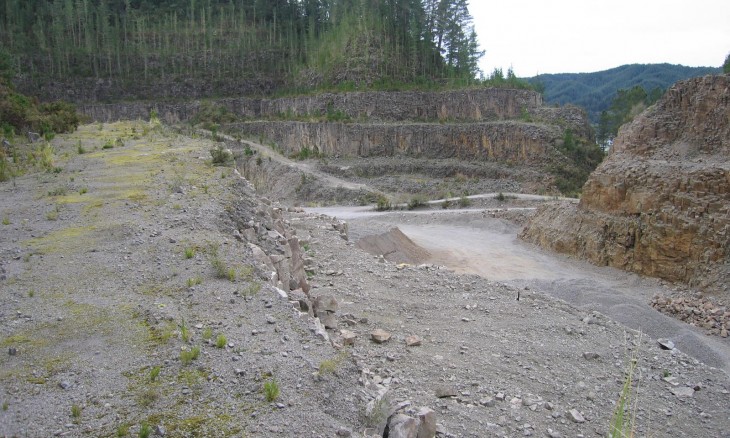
(575,36)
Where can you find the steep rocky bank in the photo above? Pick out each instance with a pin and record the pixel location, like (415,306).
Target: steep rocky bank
(659,205)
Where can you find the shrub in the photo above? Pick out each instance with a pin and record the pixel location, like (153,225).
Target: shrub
(221,156)
(189,253)
(416,202)
(382,204)
(221,341)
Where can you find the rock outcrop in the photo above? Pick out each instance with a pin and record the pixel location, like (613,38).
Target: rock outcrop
(659,205)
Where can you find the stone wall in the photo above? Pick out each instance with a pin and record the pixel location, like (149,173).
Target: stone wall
(660,203)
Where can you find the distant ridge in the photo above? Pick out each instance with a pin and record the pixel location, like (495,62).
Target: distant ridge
(594,91)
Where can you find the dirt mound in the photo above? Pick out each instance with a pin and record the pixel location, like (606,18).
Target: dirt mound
(394,246)
(659,205)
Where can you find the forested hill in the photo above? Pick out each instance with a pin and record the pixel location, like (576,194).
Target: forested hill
(594,91)
(285,43)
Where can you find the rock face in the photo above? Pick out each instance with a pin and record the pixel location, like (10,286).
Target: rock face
(659,205)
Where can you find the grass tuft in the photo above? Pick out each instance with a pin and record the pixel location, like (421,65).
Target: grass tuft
(271,390)
(221,341)
(623,422)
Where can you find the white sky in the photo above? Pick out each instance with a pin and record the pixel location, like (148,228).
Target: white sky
(577,36)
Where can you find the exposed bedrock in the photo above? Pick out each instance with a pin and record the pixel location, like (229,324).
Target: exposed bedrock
(659,205)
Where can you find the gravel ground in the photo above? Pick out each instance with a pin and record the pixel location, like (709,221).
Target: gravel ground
(119,266)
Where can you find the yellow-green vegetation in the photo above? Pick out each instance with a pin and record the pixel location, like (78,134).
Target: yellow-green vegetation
(68,239)
(189,252)
(252,289)
(188,356)
(623,422)
(221,341)
(76,413)
(145,430)
(219,424)
(6,220)
(329,366)
(155,373)
(207,333)
(184,332)
(53,214)
(194,281)
(271,390)
(123,430)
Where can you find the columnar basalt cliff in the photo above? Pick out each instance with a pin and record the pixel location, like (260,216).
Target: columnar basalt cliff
(660,203)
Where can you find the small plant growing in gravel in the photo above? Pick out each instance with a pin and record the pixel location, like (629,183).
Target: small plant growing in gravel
(109,144)
(500,197)
(271,390)
(221,341)
(53,214)
(416,202)
(80,148)
(464,201)
(221,156)
(231,274)
(252,289)
(382,204)
(188,356)
(219,268)
(31,293)
(184,332)
(623,422)
(83,190)
(123,430)
(446,204)
(145,431)
(189,253)
(155,373)
(194,281)
(6,220)
(76,412)
(58,191)
(207,334)
(5,406)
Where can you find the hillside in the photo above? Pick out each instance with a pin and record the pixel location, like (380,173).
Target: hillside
(594,91)
(188,49)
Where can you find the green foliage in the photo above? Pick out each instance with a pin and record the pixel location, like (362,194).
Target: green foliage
(464,201)
(382,203)
(271,390)
(210,116)
(221,156)
(123,430)
(623,421)
(498,80)
(221,341)
(207,333)
(346,43)
(416,202)
(585,156)
(726,64)
(188,356)
(154,373)
(594,91)
(626,105)
(189,252)
(76,411)
(145,430)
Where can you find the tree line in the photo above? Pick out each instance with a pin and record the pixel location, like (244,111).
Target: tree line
(223,40)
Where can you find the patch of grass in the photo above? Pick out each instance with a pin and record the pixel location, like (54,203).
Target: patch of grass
(184,332)
(147,397)
(623,421)
(464,201)
(53,214)
(58,191)
(382,204)
(31,292)
(221,341)
(189,253)
(145,431)
(6,220)
(83,190)
(80,148)
(416,202)
(194,281)
(155,373)
(231,274)
(271,390)
(252,289)
(76,412)
(500,197)
(5,406)
(123,430)
(221,156)
(207,333)
(188,356)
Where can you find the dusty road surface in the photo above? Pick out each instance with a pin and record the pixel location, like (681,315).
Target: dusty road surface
(471,241)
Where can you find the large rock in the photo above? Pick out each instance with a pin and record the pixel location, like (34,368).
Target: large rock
(659,204)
